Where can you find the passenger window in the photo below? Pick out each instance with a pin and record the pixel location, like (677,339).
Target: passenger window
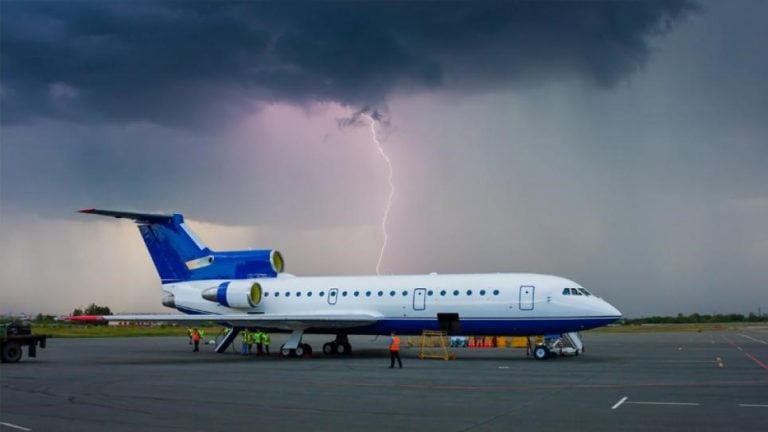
(381,293)
(455,292)
(298,294)
(469,292)
(482,292)
(495,292)
(277,294)
(266,294)
(566,291)
(429,293)
(287,294)
(367,293)
(309,294)
(405,293)
(392,293)
(322,293)
(442,293)
(344,294)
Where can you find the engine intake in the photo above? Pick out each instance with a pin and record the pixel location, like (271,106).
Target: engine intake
(235,294)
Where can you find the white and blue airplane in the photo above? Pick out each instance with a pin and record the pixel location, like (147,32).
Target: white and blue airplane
(248,289)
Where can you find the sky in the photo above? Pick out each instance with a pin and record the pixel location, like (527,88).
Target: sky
(623,145)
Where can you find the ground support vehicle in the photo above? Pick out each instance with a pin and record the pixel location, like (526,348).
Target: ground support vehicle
(14,336)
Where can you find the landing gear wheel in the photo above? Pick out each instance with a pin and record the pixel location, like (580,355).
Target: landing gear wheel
(307,350)
(285,352)
(11,352)
(299,351)
(329,348)
(540,353)
(343,349)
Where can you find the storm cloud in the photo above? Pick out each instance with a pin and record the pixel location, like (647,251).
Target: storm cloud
(192,64)
(618,144)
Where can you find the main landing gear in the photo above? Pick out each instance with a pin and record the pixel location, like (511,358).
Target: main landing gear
(339,346)
(295,348)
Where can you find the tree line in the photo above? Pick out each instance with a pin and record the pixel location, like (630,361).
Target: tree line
(697,318)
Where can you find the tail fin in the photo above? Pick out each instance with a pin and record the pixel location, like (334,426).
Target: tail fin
(179,255)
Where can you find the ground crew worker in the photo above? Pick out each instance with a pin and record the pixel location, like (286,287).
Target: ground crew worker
(189,334)
(266,339)
(196,339)
(394,351)
(259,342)
(246,340)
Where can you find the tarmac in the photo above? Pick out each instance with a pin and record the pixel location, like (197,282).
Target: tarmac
(708,381)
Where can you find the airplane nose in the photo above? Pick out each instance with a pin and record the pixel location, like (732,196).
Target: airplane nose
(610,310)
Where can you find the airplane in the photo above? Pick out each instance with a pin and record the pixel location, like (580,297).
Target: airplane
(248,289)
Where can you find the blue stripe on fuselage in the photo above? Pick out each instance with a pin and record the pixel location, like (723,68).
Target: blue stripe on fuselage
(488,327)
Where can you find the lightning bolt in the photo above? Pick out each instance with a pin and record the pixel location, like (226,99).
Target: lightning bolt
(391,196)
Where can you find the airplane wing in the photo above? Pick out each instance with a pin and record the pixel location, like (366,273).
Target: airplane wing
(281,322)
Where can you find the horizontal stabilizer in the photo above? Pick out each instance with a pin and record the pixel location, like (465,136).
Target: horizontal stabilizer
(138,217)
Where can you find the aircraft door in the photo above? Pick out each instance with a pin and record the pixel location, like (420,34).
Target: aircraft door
(419,298)
(333,295)
(526,297)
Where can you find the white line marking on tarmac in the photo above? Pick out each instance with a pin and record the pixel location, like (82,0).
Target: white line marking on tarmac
(753,406)
(618,404)
(11,425)
(665,403)
(754,339)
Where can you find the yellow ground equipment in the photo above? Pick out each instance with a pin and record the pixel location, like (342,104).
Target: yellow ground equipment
(434,344)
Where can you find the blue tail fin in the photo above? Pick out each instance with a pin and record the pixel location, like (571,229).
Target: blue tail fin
(179,255)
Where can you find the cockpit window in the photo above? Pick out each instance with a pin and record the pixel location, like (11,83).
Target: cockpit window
(574,291)
(566,291)
(585,292)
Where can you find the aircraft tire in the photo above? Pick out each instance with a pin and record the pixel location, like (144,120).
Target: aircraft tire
(307,350)
(540,353)
(299,351)
(342,348)
(11,352)
(329,348)
(285,352)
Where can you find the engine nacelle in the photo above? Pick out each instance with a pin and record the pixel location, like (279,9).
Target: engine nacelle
(235,294)
(239,265)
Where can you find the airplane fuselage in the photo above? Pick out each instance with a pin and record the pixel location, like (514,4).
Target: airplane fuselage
(482,304)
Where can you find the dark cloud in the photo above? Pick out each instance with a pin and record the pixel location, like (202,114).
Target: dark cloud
(364,115)
(196,63)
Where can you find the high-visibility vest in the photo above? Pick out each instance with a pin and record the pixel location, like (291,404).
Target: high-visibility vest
(245,336)
(196,336)
(394,345)
(266,338)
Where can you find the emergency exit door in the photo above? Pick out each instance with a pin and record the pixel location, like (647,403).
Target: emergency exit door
(419,298)
(333,295)
(526,297)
